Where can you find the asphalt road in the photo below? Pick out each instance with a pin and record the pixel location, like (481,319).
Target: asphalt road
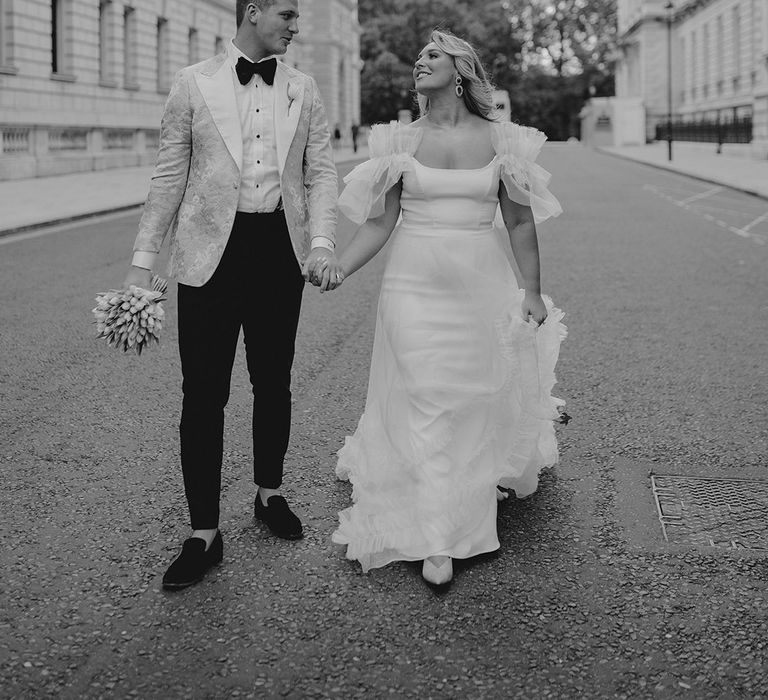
(664,371)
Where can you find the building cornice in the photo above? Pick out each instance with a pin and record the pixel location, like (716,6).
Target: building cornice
(680,12)
(654,15)
(691,7)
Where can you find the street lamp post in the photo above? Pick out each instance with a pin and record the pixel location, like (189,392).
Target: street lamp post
(669,7)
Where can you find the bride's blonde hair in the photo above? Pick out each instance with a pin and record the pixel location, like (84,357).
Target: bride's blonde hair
(478,90)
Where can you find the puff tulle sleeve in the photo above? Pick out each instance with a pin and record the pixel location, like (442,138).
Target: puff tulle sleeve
(517,148)
(390,147)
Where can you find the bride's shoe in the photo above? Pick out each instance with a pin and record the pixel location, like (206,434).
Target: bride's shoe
(437,571)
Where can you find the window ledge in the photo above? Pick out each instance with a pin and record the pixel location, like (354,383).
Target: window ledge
(131,86)
(8,70)
(108,83)
(63,77)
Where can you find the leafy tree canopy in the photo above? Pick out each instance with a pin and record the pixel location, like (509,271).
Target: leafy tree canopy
(549,54)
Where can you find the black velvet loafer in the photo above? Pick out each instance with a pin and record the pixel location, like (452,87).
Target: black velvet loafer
(193,562)
(278,517)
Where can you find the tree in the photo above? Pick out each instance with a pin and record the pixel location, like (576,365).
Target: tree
(386,86)
(401,28)
(569,48)
(550,55)
(568,36)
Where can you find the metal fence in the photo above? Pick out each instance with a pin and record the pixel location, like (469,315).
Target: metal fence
(738,130)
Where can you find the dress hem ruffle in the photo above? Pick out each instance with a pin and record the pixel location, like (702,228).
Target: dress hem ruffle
(391,534)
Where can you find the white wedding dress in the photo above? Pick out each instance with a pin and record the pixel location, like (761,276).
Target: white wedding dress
(459,396)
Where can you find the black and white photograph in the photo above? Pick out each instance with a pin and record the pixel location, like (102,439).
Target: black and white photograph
(384,349)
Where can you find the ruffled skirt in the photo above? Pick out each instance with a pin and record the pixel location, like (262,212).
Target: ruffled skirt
(459,401)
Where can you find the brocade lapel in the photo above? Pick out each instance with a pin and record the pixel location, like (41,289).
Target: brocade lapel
(289,97)
(218,91)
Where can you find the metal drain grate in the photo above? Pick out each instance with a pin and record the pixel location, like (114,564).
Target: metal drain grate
(731,513)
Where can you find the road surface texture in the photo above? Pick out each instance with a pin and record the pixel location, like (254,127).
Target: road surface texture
(665,287)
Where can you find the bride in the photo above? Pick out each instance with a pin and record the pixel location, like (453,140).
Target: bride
(463,359)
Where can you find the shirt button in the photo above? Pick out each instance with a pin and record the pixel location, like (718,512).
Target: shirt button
(258,162)
(257,111)
(258,136)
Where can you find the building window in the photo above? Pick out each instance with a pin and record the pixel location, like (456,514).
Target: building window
(684,68)
(341,95)
(5,35)
(754,41)
(694,65)
(720,57)
(106,74)
(736,46)
(193,53)
(218,46)
(60,38)
(130,79)
(706,49)
(163,56)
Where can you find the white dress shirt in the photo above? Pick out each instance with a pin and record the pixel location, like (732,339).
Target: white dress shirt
(259,176)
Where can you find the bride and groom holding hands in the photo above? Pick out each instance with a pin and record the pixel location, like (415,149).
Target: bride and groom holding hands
(459,409)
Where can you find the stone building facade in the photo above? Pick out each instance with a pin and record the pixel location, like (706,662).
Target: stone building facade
(83,82)
(719,64)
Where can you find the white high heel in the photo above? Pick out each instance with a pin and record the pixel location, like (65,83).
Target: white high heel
(437,574)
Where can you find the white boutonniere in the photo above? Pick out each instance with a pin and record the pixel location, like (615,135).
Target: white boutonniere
(293,93)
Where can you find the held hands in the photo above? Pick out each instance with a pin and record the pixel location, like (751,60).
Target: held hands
(323,269)
(533,308)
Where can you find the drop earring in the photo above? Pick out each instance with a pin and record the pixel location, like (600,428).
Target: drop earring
(459,87)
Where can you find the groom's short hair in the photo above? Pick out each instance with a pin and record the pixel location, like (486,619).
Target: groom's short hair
(242,4)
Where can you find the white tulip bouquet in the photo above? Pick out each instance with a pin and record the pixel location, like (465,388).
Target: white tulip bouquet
(131,319)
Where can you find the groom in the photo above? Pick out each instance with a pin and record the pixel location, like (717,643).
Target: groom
(246,184)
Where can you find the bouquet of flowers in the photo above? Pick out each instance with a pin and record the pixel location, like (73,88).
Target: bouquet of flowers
(131,319)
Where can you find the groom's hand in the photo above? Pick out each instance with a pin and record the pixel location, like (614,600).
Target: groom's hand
(317,258)
(139,276)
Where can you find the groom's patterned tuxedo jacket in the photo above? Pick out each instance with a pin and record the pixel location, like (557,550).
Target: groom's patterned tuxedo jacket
(194,189)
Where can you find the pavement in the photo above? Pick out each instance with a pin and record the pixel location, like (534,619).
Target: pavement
(43,201)
(701,161)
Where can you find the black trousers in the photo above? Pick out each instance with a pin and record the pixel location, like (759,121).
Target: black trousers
(257,287)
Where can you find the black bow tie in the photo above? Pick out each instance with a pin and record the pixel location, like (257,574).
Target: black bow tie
(246,69)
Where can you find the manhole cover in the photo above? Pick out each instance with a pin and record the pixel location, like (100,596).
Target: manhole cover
(731,513)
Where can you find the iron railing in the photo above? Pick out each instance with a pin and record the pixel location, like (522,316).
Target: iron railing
(737,130)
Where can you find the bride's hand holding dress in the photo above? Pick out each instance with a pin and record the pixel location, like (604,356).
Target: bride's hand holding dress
(534,308)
